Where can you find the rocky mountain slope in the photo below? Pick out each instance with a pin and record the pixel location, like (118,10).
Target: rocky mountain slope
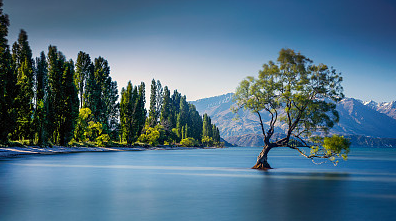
(388,108)
(364,119)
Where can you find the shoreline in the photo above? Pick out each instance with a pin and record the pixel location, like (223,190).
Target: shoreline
(10,152)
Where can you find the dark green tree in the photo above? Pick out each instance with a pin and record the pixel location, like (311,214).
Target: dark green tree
(111,110)
(301,95)
(70,105)
(153,99)
(41,104)
(216,134)
(141,111)
(182,118)
(126,113)
(23,63)
(207,126)
(56,62)
(8,81)
(175,107)
(165,118)
(156,100)
(195,123)
(132,112)
(62,97)
(101,95)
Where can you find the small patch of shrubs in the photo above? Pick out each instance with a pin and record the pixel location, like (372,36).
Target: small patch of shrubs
(189,142)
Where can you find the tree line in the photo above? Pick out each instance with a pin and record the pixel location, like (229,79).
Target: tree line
(52,100)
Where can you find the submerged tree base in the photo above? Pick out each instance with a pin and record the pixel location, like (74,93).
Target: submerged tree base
(262,166)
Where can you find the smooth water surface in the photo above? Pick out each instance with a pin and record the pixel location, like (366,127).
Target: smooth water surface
(210,184)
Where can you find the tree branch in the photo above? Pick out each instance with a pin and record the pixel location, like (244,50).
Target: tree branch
(262,128)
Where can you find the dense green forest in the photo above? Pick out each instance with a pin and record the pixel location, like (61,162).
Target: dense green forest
(50,100)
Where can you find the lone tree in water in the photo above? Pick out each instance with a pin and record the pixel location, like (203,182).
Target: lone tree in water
(303,97)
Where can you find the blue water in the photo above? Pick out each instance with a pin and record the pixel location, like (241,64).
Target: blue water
(214,184)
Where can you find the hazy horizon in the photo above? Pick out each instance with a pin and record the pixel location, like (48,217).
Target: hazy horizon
(205,48)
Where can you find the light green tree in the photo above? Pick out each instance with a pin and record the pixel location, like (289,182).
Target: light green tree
(153,136)
(301,95)
(189,142)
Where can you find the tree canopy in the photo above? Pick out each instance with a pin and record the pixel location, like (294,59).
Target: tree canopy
(301,95)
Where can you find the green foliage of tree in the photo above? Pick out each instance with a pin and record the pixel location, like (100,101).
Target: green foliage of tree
(88,130)
(156,100)
(207,126)
(69,108)
(102,140)
(175,107)
(189,142)
(207,141)
(23,63)
(8,81)
(153,136)
(216,134)
(299,94)
(81,130)
(182,118)
(84,69)
(330,148)
(101,93)
(41,103)
(62,97)
(165,118)
(141,111)
(132,112)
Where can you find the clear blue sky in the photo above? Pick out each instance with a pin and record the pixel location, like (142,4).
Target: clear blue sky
(205,48)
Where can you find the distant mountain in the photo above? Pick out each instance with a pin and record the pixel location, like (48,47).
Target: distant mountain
(368,119)
(388,108)
(359,119)
(256,140)
(219,109)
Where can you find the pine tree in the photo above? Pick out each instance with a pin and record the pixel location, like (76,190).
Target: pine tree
(22,58)
(7,81)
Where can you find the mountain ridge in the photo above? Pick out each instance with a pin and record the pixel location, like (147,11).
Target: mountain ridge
(357,118)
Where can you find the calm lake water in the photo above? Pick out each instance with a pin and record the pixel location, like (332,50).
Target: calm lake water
(213,184)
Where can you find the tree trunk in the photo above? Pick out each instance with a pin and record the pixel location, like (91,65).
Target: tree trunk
(262,163)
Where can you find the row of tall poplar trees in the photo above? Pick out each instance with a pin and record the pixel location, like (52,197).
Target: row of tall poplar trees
(43,99)
(171,118)
(39,97)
